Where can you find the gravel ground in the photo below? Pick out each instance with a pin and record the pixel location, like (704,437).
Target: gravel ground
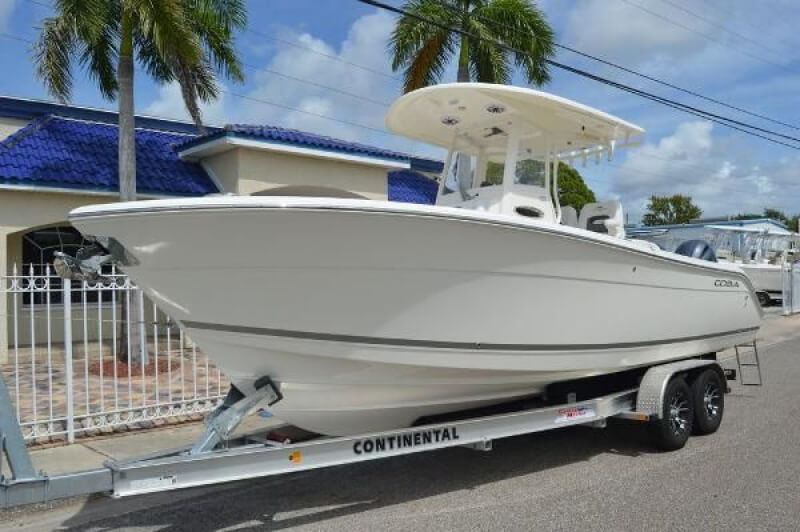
(745,477)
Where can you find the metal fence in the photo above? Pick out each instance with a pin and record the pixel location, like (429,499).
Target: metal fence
(791,289)
(96,357)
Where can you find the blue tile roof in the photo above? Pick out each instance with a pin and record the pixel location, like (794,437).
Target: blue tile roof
(28,109)
(295,137)
(53,151)
(412,187)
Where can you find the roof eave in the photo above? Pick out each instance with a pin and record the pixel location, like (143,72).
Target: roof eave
(90,191)
(215,144)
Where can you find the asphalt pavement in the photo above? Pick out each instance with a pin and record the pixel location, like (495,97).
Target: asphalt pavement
(744,477)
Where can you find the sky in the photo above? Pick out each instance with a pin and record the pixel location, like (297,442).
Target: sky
(322,66)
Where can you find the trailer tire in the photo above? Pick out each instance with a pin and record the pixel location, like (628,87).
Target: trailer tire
(674,427)
(708,394)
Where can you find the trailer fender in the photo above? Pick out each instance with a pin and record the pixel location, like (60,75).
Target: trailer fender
(650,398)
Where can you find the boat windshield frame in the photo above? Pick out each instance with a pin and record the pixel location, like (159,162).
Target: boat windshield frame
(467,142)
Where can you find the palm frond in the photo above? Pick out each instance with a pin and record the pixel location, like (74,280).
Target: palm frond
(99,55)
(215,22)
(197,83)
(489,62)
(53,53)
(422,49)
(165,24)
(429,63)
(521,25)
(153,63)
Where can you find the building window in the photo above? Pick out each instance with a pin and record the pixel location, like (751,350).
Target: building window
(38,252)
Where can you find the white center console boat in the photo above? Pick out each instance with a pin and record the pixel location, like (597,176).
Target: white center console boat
(762,255)
(368,315)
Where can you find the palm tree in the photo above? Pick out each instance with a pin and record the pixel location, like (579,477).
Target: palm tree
(424,50)
(184,41)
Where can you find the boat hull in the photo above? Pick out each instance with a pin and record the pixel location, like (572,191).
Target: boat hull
(766,278)
(371,315)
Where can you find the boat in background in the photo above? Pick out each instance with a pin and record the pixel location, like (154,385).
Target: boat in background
(763,255)
(368,315)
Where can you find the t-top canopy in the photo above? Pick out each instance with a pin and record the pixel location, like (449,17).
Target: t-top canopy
(474,117)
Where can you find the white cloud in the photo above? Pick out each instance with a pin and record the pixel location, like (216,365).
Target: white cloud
(169,104)
(365,45)
(6,10)
(720,173)
(611,28)
(692,42)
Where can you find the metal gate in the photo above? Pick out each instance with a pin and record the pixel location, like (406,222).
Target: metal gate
(88,357)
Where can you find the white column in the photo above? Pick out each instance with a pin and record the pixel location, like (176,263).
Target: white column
(4,302)
(510,170)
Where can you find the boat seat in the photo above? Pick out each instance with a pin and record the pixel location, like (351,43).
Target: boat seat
(603,217)
(569,216)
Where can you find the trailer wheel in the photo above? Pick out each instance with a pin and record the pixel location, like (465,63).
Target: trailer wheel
(671,431)
(708,393)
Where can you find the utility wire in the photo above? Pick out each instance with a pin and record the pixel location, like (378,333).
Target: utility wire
(728,122)
(316,84)
(696,112)
(321,53)
(303,111)
(676,87)
(715,24)
(705,35)
(636,73)
(398,78)
(15,37)
(259,100)
(376,130)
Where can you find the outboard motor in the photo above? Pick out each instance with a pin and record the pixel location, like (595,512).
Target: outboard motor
(698,249)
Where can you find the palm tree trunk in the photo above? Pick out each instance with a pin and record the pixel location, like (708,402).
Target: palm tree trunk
(127,142)
(463,61)
(127,151)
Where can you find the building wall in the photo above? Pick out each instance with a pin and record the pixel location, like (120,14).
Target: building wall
(250,171)
(10,125)
(224,168)
(19,212)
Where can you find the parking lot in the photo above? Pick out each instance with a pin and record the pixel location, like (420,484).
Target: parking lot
(745,477)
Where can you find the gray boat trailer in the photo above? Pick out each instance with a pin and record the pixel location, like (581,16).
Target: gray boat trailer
(215,458)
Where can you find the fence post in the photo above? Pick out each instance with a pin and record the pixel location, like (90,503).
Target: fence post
(786,296)
(67,300)
(142,330)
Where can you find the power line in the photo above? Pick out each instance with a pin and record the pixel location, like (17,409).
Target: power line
(295,45)
(728,122)
(316,84)
(15,37)
(276,104)
(676,87)
(639,74)
(303,111)
(323,54)
(705,35)
(697,112)
(397,78)
(722,27)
